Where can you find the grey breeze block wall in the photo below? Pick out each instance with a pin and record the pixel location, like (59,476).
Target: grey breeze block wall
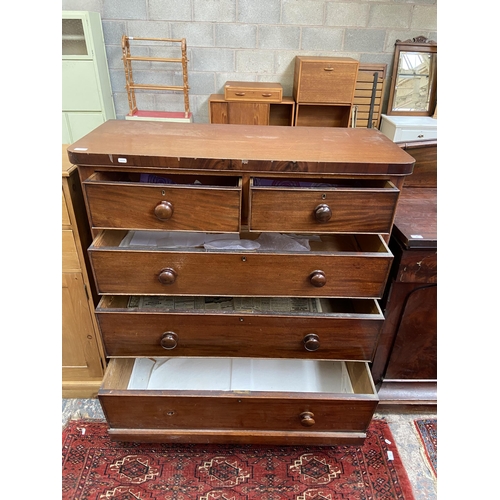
(248,40)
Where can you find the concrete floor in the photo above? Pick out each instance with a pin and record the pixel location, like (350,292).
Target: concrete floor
(400,423)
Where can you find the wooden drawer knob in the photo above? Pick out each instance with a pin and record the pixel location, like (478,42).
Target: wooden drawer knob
(169,340)
(167,276)
(317,278)
(164,210)
(240,94)
(323,213)
(311,342)
(307,419)
(267,95)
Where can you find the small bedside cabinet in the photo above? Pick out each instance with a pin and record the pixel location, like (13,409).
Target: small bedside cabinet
(82,355)
(251,103)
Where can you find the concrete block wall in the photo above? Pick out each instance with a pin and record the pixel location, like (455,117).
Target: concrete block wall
(249,40)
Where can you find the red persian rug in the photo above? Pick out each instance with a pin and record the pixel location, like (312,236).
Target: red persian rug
(96,468)
(427,432)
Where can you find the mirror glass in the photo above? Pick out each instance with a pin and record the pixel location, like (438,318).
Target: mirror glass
(413,81)
(413,85)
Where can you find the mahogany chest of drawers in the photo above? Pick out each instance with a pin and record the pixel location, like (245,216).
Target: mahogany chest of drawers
(239,270)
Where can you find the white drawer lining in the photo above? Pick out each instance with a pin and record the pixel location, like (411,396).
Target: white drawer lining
(240,374)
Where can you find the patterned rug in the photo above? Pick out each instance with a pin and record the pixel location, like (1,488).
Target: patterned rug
(427,432)
(96,468)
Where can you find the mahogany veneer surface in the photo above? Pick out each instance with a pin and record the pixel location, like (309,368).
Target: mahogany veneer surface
(242,148)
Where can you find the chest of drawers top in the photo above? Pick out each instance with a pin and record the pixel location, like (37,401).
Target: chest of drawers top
(253,148)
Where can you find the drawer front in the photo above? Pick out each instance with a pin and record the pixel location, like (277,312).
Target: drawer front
(323,210)
(163,206)
(240,411)
(213,273)
(70,260)
(150,333)
(265,95)
(328,82)
(412,134)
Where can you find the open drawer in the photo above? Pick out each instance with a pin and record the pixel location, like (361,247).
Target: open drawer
(335,266)
(173,202)
(267,327)
(238,400)
(329,206)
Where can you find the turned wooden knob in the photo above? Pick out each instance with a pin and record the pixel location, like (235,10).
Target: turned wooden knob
(167,276)
(169,340)
(317,278)
(311,342)
(323,213)
(164,210)
(307,419)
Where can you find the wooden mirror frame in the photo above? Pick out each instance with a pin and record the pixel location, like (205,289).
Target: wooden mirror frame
(418,44)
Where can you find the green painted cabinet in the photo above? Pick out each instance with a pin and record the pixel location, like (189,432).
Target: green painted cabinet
(87,98)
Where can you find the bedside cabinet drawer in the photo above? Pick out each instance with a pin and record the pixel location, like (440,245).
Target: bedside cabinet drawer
(170,203)
(249,327)
(404,134)
(335,266)
(253,91)
(325,79)
(238,400)
(338,206)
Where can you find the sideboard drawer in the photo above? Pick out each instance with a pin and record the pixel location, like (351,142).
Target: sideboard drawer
(164,203)
(238,400)
(253,91)
(335,266)
(312,329)
(325,79)
(361,206)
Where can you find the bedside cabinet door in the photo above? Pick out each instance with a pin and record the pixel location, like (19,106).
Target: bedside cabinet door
(248,113)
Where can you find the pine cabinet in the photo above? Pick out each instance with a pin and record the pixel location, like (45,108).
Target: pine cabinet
(82,355)
(87,98)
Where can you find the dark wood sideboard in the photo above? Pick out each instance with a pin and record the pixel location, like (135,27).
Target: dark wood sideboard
(405,364)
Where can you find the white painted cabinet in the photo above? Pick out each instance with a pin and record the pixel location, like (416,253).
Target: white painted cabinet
(409,128)
(87,98)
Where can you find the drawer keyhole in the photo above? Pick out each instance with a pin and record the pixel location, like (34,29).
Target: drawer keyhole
(169,340)
(164,210)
